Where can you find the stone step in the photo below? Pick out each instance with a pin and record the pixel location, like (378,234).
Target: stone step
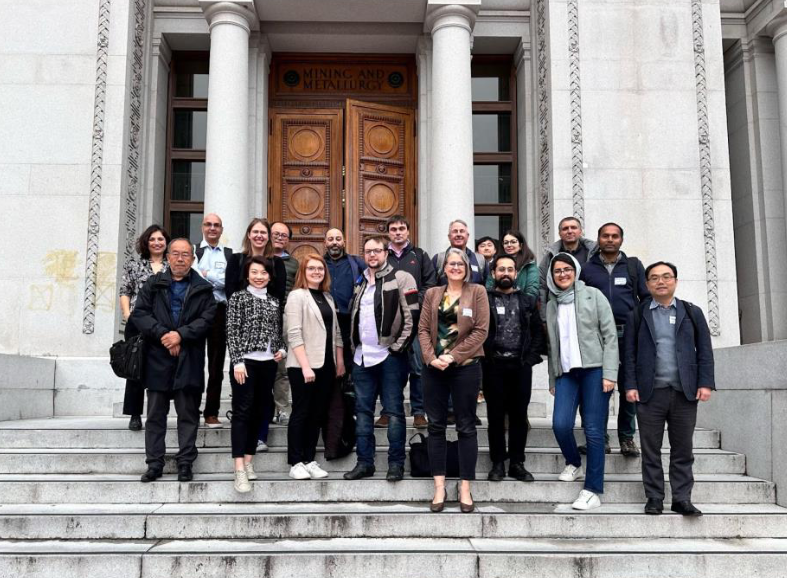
(359,520)
(218,488)
(406,558)
(218,460)
(535,409)
(98,432)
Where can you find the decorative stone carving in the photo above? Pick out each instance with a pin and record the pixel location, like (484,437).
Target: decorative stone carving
(706,175)
(545,208)
(97,159)
(577,176)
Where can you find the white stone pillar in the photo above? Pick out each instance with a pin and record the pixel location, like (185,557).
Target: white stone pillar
(451,144)
(227,161)
(778,30)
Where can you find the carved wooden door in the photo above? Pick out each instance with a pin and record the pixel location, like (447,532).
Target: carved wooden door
(380,167)
(306,175)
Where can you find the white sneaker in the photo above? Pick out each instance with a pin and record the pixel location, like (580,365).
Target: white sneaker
(315,471)
(299,472)
(282,418)
(570,474)
(586,500)
(250,472)
(262,446)
(242,484)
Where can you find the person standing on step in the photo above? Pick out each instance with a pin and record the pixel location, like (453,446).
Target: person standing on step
(381,329)
(527,274)
(211,263)
(151,247)
(174,313)
(404,256)
(669,369)
(280,237)
(346,273)
(621,279)
(583,368)
(452,331)
(512,347)
(488,247)
(314,361)
(254,332)
(458,236)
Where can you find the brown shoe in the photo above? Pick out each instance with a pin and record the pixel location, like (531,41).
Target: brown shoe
(419,422)
(212,421)
(382,422)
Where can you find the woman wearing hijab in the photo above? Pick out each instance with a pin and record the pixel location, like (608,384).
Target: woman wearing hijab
(583,367)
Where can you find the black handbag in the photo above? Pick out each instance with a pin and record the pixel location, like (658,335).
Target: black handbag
(126,358)
(419,458)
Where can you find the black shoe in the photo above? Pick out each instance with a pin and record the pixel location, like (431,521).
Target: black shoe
(184,473)
(450,419)
(359,471)
(583,449)
(685,508)
(518,472)
(395,473)
(497,473)
(135,423)
(654,506)
(437,507)
(150,475)
(628,447)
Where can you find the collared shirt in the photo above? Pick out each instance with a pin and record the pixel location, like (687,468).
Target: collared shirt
(399,253)
(664,326)
(369,353)
(611,266)
(581,253)
(215,263)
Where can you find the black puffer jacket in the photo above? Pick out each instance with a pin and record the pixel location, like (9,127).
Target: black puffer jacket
(153,318)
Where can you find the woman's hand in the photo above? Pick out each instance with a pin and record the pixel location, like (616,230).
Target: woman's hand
(308,374)
(446,358)
(607,385)
(340,369)
(240,373)
(552,391)
(279,355)
(438,363)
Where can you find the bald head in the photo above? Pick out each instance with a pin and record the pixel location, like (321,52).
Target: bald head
(212,228)
(334,243)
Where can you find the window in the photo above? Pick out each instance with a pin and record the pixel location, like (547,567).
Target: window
(494,145)
(186,136)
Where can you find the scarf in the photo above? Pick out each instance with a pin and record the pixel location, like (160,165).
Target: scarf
(563,296)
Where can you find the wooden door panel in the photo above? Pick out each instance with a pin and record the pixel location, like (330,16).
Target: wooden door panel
(306,175)
(380,156)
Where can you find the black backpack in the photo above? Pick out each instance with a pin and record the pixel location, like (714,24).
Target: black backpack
(126,358)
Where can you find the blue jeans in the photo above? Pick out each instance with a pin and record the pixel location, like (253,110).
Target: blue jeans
(416,361)
(386,379)
(570,388)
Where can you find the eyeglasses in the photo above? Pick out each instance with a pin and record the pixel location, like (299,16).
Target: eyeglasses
(666,277)
(313,269)
(373,251)
(280,235)
(455,265)
(511,242)
(212,225)
(566,271)
(175,255)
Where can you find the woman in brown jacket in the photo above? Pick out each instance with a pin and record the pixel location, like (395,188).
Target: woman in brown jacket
(452,330)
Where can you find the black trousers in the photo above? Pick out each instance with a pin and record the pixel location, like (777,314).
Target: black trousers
(507,389)
(187,407)
(309,411)
(252,402)
(461,384)
(134,396)
(670,407)
(217,350)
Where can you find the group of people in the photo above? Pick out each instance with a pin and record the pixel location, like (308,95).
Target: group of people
(451,325)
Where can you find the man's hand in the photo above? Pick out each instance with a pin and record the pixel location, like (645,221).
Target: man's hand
(607,385)
(171,339)
(632,395)
(174,351)
(703,394)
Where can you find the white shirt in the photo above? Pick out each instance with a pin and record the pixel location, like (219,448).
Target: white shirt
(215,263)
(570,356)
(369,353)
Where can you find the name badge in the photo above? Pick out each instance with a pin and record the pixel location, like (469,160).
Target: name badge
(467,312)
(474,268)
(501,310)
(672,320)
(620,280)
(220,265)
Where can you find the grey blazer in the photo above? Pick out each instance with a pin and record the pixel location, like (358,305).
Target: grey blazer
(303,325)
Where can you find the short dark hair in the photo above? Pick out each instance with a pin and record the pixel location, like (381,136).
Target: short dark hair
(257,260)
(564,219)
(289,230)
(397,219)
(658,264)
(486,238)
(378,238)
(610,224)
(144,239)
(496,258)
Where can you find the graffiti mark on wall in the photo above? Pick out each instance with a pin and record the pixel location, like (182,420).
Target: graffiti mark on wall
(60,266)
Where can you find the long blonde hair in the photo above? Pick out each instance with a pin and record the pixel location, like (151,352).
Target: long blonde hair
(246,247)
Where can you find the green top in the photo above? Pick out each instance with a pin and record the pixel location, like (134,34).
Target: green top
(447,325)
(528,280)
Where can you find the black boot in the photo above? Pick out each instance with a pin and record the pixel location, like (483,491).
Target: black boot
(518,472)
(497,473)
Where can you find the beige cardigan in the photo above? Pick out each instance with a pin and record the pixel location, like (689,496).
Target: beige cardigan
(303,325)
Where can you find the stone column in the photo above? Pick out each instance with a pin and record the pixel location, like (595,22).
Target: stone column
(227,161)
(452,121)
(778,30)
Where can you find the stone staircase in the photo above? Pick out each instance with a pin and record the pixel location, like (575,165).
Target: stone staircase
(71,505)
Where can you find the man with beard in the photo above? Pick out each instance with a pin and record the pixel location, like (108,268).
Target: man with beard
(346,272)
(511,350)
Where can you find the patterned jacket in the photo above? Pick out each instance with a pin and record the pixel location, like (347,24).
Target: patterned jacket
(253,324)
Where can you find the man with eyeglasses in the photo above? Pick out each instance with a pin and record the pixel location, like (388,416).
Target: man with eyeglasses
(669,369)
(280,237)
(211,263)
(458,236)
(381,326)
(174,313)
(621,278)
